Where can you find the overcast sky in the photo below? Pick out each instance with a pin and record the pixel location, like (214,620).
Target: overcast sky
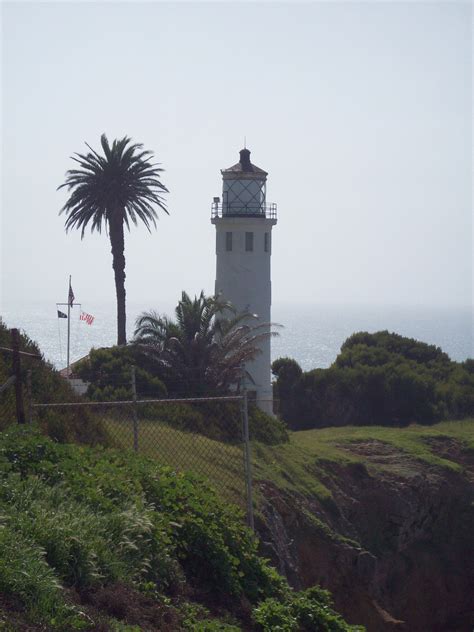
(360,112)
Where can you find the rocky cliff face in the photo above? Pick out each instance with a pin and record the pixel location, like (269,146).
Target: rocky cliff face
(395,544)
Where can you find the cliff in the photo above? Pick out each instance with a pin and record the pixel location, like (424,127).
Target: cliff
(383,518)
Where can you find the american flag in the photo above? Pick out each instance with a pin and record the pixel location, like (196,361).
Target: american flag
(87,318)
(71,296)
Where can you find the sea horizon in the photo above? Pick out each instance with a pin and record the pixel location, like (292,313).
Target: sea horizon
(312,334)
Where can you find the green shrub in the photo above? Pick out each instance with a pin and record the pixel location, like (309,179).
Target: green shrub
(48,386)
(288,373)
(265,428)
(217,552)
(104,516)
(108,372)
(377,379)
(306,611)
(86,518)
(221,421)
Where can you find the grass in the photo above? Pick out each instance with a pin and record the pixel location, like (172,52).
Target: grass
(220,463)
(297,466)
(334,444)
(290,467)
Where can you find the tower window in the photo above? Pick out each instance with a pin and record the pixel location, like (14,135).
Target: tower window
(249,242)
(266,242)
(228,242)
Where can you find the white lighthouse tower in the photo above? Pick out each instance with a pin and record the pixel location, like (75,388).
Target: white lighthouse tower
(244,225)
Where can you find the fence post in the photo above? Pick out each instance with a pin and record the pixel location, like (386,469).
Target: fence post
(29,392)
(135,411)
(20,409)
(247,454)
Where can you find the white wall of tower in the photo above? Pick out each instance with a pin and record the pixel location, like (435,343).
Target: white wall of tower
(244,278)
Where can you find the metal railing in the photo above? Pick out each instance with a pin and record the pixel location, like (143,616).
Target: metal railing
(219,210)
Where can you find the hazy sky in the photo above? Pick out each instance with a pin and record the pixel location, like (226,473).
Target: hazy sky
(360,112)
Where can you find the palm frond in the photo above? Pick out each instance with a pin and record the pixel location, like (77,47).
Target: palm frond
(122,180)
(207,344)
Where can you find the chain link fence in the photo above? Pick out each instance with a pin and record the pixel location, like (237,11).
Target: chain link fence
(207,436)
(7,402)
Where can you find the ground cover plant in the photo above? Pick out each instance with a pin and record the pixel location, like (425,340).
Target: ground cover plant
(377,379)
(101,539)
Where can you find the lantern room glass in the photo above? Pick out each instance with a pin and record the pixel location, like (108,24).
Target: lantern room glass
(243,196)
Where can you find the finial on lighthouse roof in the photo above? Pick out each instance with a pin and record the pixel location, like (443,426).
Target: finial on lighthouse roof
(245,160)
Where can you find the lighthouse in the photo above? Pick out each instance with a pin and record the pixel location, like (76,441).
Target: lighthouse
(244,223)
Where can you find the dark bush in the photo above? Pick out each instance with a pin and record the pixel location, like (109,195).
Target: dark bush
(221,421)
(377,379)
(108,372)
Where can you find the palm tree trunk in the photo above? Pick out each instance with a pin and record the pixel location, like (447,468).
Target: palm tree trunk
(118,263)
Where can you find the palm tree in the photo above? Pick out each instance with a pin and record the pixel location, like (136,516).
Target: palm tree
(204,349)
(111,190)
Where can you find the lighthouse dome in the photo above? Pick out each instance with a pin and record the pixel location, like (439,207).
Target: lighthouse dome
(244,166)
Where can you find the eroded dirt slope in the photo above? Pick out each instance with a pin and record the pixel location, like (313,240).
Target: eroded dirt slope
(395,544)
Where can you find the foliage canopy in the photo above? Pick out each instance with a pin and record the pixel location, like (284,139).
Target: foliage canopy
(377,379)
(205,348)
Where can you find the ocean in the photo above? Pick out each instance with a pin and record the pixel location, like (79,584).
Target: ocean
(311,334)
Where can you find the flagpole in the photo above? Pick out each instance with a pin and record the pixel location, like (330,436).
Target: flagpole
(68,325)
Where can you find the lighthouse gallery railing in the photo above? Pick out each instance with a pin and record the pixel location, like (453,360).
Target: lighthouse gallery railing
(219,209)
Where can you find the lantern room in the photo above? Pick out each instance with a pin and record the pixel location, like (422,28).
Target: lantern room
(243,190)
